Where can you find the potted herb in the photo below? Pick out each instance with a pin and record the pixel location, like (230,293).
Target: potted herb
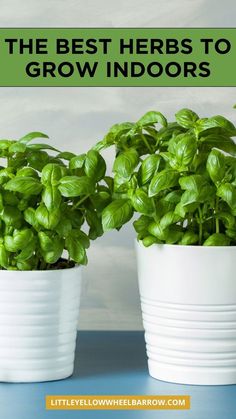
(180,178)
(45,202)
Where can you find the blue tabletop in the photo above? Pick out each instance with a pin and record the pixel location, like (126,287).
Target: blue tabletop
(113,363)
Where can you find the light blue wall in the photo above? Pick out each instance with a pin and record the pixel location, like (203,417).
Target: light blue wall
(76,118)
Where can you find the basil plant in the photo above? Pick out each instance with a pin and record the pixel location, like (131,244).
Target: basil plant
(179,177)
(46,200)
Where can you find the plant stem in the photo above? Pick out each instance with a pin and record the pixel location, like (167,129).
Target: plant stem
(80,201)
(217,219)
(196,133)
(146,142)
(154,206)
(41,265)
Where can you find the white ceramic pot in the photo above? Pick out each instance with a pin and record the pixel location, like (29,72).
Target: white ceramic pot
(38,324)
(188,299)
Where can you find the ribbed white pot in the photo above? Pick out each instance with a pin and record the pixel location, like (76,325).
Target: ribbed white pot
(188,299)
(38,324)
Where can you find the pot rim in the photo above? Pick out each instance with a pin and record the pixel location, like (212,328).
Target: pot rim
(183,246)
(41,271)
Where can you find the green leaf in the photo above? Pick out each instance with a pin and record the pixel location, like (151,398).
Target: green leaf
(231,233)
(19,240)
(222,142)
(125,163)
(198,164)
(217,121)
(27,171)
(38,159)
(121,185)
(66,155)
(172,144)
(151,118)
(185,150)
(51,174)
(165,179)
(227,192)
(64,228)
(95,166)
(76,249)
(149,240)
(17,147)
(227,218)
(95,224)
(27,265)
(72,186)
(189,238)
(1,204)
(216,166)
(193,182)
(197,189)
(217,239)
(157,231)
(41,146)
(31,136)
(23,236)
(149,167)
(51,246)
(64,170)
(75,216)
(113,136)
(47,219)
(5,144)
(186,118)
(24,184)
(230,169)
(23,203)
(16,161)
(173,234)
(77,162)
(12,216)
(9,198)
(180,209)
(173,197)
(141,225)
(191,196)
(3,256)
(100,200)
(118,135)
(30,218)
(166,133)
(169,218)
(51,197)
(82,237)
(116,214)
(6,174)
(142,203)
(27,252)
